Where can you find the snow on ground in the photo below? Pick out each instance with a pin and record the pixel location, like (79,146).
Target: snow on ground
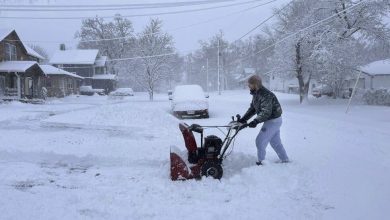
(100,158)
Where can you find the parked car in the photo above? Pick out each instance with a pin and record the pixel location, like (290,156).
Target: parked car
(346,93)
(190,101)
(88,90)
(323,90)
(170,93)
(122,92)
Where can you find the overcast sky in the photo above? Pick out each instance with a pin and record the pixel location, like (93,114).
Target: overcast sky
(234,22)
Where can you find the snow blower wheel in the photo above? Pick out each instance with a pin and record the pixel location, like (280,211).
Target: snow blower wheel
(212,169)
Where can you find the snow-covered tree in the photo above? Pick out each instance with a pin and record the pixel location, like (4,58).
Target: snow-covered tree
(157,56)
(329,49)
(41,51)
(114,39)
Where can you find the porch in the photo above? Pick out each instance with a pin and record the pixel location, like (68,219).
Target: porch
(21,80)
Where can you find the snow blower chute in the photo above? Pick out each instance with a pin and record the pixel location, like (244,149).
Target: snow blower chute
(205,160)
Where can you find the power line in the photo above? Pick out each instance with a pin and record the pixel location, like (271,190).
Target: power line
(174,53)
(264,21)
(168,30)
(161,4)
(302,30)
(76,8)
(262,50)
(134,15)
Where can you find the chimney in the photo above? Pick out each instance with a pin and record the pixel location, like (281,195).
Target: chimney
(62,47)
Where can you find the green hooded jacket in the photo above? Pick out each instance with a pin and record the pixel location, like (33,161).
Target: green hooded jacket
(265,105)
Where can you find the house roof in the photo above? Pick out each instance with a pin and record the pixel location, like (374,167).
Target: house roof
(249,70)
(32,52)
(381,67)
(101,61)
(105,76)
(245,78)
(4,32)
(51,70)
(7,31)
(74,57)
(17,66)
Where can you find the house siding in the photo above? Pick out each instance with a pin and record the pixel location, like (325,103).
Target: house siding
(13,39)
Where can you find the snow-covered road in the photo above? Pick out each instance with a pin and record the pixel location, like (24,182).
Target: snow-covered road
(99,158)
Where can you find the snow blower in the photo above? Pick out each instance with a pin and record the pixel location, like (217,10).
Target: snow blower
(205,160)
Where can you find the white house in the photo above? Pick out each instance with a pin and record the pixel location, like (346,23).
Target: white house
(242,78)
(377,75)
(279,84)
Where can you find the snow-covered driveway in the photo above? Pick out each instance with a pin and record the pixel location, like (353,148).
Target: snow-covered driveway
(97,158)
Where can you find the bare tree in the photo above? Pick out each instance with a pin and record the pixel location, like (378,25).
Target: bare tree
(157,55)
(41,51)
(114,39)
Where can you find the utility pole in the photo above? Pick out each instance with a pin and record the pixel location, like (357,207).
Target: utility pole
(219,80)
(353,91)
(207,75)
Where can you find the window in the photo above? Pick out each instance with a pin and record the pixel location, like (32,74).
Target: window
(48,83)
(10,52)
(70,84)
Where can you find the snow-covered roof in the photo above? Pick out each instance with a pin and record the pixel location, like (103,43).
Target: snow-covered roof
(74,57)
(101,61)
(245,78)
(381,67)
(17,66)
(105,76)
(32,52)
(51,70)
(4,32)
(249,70)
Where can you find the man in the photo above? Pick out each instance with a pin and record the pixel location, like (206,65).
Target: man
(267,109)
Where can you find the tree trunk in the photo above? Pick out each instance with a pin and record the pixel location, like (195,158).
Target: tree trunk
(303,86)
(151,95)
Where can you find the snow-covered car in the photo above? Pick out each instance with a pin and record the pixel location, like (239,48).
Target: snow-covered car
(320,91)
(86,90)
(190,101)
(170,93)
(122,92)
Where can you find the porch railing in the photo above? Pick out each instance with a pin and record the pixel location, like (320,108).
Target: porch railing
(11,92)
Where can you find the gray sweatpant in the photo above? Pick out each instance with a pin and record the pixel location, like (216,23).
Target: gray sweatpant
(270,133)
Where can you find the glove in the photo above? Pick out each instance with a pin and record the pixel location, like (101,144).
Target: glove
(253,123)
(241,120)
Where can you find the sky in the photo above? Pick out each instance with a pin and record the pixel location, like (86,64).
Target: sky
(234,21)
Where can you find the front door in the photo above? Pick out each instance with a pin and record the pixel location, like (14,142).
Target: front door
(2,85)
(28,87)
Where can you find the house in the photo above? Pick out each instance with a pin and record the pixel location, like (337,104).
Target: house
(21,77)
(376,75)
(60,83)
(88,64)
(246,73)
(289,84)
